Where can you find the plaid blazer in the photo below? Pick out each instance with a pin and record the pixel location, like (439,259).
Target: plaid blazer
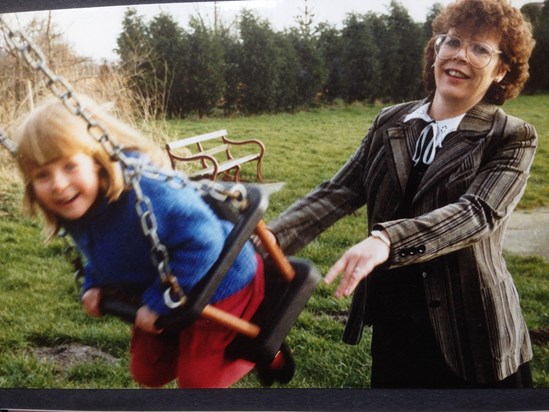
(462,208)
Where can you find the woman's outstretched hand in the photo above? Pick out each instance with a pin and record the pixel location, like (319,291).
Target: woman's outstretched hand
(357,263)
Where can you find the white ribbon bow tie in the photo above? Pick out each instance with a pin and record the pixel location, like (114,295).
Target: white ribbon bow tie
(426,150)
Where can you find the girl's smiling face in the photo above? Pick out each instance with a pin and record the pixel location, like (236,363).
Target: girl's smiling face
(460,84)
(67,187)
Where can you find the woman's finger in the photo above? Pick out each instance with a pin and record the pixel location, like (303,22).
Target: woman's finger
(350,280)
(335,270)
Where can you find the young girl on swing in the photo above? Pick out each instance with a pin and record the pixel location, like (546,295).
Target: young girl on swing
(73,181)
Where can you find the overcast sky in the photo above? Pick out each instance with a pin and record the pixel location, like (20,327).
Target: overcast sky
(93,31)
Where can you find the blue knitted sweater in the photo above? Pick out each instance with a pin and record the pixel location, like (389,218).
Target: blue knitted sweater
(116,252)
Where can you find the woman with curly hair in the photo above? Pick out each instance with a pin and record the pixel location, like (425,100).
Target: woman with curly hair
(440,178)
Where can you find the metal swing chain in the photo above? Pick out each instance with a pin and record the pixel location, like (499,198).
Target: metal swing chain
(7,143)
(132,169)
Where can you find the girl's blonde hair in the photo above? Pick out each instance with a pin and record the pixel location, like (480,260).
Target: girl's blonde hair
(51,132)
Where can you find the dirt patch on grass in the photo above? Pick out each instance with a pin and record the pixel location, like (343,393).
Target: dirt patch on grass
(69,355)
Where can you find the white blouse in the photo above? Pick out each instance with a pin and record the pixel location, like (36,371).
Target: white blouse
(426,149)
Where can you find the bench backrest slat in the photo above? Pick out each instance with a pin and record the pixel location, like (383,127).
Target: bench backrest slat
(196,139)
(217,149)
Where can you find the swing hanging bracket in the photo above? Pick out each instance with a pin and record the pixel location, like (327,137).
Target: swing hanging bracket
(174,289)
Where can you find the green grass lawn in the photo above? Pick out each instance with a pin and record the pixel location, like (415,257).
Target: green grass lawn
(40,300)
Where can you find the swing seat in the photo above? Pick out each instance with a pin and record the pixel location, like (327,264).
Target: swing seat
(278,312)
(283,302)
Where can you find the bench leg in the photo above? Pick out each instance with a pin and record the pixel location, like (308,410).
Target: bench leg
(237,174)
(259,176)
(228,176)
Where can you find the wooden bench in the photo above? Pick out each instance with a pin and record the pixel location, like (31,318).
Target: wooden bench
(203,161)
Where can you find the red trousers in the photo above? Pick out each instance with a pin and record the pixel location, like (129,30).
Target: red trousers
(196,357)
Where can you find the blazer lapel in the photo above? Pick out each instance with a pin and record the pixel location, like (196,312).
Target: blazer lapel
(399,142)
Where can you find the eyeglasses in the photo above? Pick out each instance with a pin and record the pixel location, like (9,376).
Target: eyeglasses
(479,55)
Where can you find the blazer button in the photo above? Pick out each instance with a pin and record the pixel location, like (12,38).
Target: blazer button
(421,249)
(435,303)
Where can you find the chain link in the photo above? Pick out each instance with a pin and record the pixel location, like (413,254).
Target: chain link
(7,143)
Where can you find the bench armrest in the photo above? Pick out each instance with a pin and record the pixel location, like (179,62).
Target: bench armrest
(248,141)
(198,156)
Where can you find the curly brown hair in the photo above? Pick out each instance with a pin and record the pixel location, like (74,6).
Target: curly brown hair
(487,16)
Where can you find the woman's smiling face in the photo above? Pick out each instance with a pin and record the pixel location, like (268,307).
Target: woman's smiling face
(459,83)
